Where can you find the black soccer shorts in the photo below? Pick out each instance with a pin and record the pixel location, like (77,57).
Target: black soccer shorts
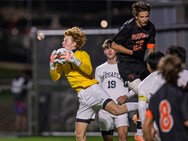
(129,71)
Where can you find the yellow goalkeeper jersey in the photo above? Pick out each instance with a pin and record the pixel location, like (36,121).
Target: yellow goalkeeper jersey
(79,77)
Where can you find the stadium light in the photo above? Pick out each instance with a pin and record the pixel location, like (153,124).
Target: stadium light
(104,23)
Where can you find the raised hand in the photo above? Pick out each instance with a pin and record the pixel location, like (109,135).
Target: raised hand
(53,59)
(69,56)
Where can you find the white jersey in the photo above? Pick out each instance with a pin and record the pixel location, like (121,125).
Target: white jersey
(110,80)
(150,85)
(154,81)
(183,78)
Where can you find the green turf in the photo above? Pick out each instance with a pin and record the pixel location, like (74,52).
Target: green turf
(89,138)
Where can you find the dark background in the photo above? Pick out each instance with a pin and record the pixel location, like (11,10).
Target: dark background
(19,16)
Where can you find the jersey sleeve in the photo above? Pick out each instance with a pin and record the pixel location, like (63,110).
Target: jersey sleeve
(143,90)
(122,35)
(183,78)
(86,65)
(151,41)
(56,74)
(142,106)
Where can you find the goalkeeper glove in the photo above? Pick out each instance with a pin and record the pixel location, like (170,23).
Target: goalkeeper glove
(60,53)
(53,60)
(70,58)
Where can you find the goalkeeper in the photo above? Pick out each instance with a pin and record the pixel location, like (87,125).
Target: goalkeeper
(76,66)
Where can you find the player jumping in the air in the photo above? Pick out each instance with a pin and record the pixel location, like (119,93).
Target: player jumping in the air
(136,36)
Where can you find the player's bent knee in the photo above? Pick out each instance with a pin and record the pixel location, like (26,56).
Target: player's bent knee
(110,106)
(115,109)
(106,102)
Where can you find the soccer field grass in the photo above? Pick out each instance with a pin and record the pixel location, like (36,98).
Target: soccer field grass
(63,138)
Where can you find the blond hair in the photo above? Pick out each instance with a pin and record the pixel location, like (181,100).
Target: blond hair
(77,36)
(107,43)
(140,7)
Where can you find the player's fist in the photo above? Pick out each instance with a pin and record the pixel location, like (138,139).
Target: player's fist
(53,56)
(61,55)
(53,59)
(69,56)
(122,99)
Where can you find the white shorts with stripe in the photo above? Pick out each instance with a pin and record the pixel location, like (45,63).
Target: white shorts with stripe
(108,121)
(90,99)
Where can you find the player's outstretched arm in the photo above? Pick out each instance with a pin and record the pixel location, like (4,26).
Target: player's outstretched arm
(121,49)
(148,128)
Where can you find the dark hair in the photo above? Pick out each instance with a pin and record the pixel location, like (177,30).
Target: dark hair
(177,50)
(153,59)
(170,67)
(140,7)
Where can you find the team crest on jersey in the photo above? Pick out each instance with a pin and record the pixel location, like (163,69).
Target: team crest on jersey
(138,36)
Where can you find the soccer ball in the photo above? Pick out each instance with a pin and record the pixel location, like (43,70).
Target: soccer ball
(40,36)
(61,52)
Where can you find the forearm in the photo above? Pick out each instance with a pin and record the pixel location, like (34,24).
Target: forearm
(56,74)
(150,50)
(131,93)
(142,110)
(186,123)
(86,68)
(80,60)
(147,129)
(121,49)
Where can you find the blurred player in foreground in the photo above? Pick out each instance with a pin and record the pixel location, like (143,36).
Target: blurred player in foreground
(76,66)
(155,80)
(182,82)
(168,107)
(109,78)
(181,53)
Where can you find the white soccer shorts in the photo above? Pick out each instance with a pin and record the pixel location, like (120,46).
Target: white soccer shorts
(90,99)
(108,121)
